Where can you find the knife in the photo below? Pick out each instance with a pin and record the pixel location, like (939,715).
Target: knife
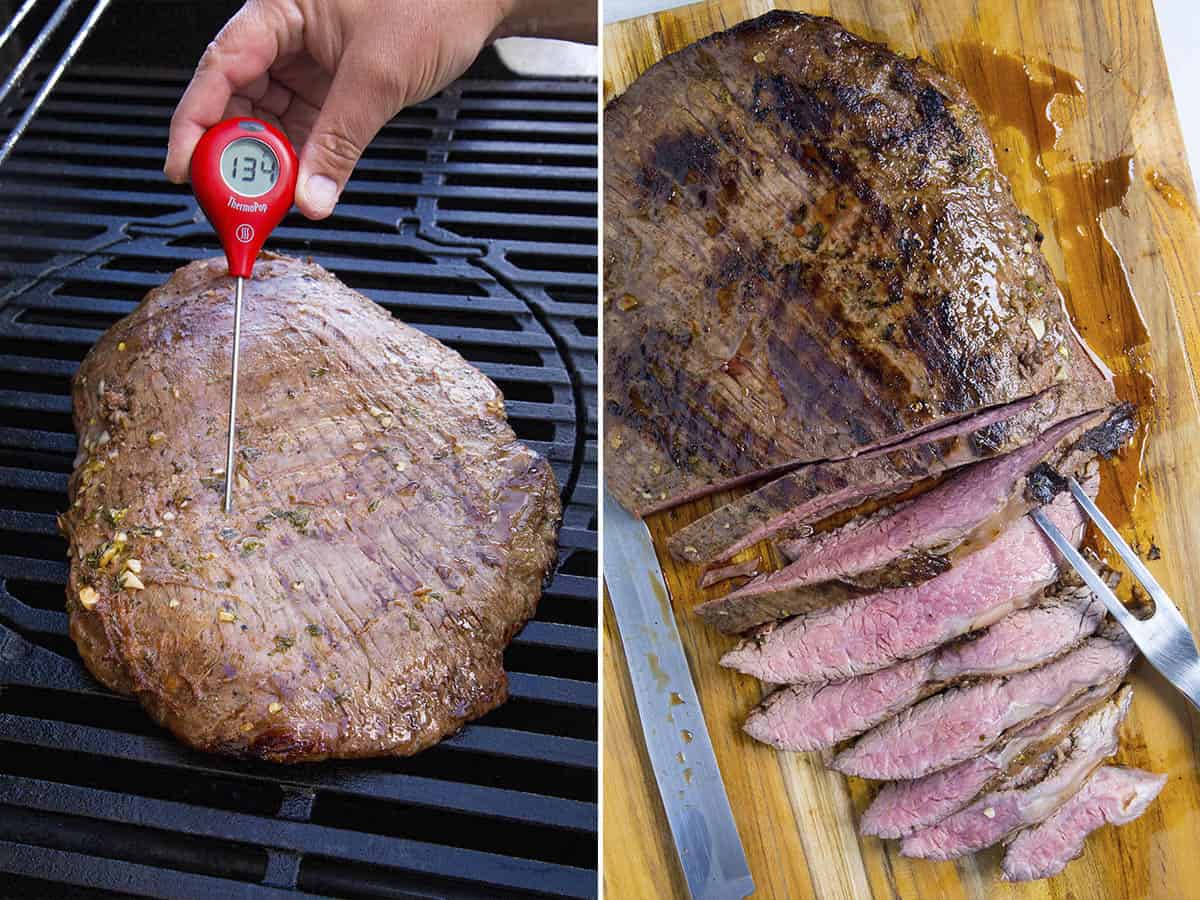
(681,753)
(1163,637)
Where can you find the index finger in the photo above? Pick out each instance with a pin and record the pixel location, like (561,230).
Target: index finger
(243,51)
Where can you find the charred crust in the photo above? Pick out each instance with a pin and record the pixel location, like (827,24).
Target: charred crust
(1044,484)
(1113,433)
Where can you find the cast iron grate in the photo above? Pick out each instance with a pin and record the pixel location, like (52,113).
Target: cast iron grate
(472,217)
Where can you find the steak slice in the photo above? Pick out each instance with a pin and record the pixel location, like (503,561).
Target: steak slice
(747,569)
(802,497)
(901,807)
(808,253)
(816,716)
(1114,795)
(996,815)
(868,633)
(921,536)
(1028,637)
(964,721)
(390,534)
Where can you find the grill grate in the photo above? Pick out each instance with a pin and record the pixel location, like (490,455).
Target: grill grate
(472,217)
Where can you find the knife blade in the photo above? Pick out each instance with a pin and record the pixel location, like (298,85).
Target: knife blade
(677,741)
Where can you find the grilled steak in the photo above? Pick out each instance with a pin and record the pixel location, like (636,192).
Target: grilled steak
(808,494)
(998,814)
(820,489)
(901,807)
(809,253)
(747,569)
(1025,638)
(390,534)
(869,633)
(919,539)
(814,716)
(1114,795)
(962,722)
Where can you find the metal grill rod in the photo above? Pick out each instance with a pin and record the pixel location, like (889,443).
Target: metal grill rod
(55,74)
(11,27)
(36,47)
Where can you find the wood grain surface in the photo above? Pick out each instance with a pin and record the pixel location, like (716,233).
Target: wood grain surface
(1079,104)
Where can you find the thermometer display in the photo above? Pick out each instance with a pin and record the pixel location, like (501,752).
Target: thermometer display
(249,167)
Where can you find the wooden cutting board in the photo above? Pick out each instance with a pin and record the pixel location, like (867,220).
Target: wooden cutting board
(1079,104)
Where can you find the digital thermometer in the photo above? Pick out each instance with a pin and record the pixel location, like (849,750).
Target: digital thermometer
(243,173)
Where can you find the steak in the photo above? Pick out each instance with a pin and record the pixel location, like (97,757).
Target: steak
(390,534)
(808,494)
(901,807)
(815,716)
(1114,795)
(919,537)
(964,721)
(1025,638)
(814,491)
(868,633)
(747,569)
(998,814)
(809,253)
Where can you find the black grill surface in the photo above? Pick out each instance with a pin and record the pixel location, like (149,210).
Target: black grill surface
(472,217)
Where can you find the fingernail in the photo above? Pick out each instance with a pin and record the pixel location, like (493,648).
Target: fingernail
(321,193)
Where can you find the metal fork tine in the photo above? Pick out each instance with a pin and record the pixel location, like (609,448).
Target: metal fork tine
(1136,566)
(1091,577)
(1164,638)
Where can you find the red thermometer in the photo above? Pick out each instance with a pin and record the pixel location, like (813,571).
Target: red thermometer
(243,173)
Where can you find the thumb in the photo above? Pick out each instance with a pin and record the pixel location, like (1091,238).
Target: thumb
(360,102)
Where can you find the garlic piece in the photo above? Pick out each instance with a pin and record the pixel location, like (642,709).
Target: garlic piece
(131,582)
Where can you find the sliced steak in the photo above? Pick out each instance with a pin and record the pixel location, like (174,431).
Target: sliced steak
(814,491)
(1114,795)
(747,569)
(868,633)
(1024,638)
(967,509)
(996,815)
(963,722)
(815,716)
(809,253)
(800,498)
(902,807)
(923,537)
(389,536)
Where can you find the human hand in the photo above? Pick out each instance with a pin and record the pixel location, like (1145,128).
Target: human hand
(331,73)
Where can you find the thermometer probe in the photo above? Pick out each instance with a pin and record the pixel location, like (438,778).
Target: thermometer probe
(243,173)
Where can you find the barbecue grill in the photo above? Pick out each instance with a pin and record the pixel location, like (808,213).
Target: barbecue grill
(472,217)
